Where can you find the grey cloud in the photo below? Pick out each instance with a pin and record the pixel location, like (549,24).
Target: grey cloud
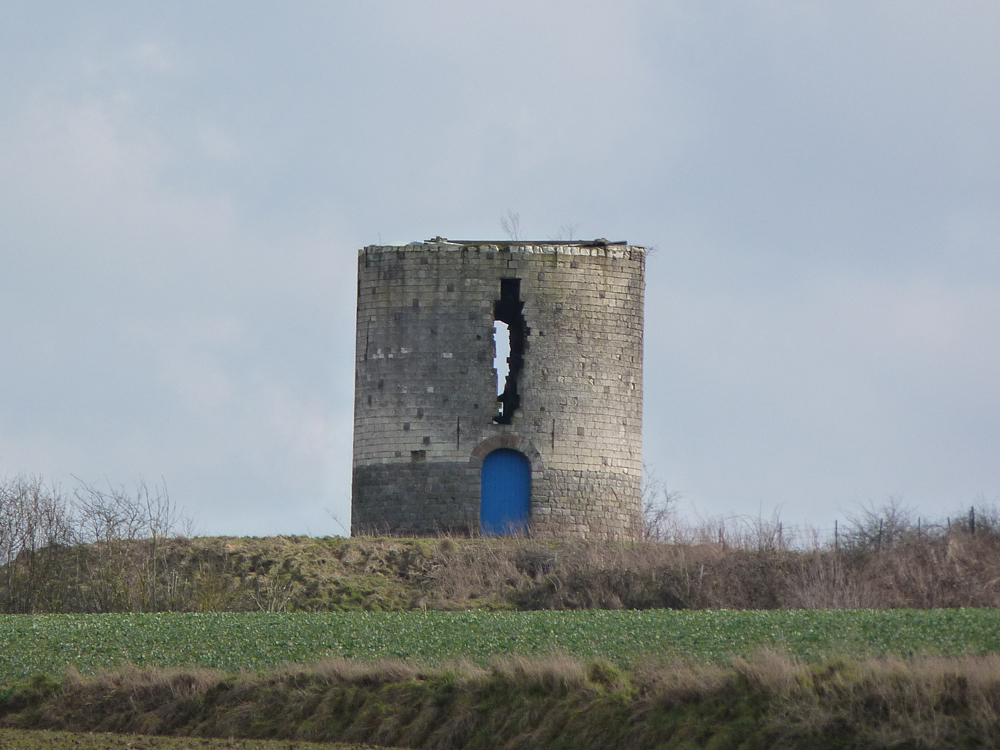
(182,191)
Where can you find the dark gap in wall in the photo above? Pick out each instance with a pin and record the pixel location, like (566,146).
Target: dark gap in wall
(508,309)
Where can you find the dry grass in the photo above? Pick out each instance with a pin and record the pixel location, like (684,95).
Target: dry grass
(115,551)
(556,674)
(681,682)
(347,672)
(769,700)
(33,739)
(712,566)
(773,673)
(752,571)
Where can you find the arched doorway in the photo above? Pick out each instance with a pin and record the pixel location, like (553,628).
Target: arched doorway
(505,493)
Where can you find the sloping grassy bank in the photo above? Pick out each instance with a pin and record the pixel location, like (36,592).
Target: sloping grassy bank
(769,701)
(918,569)
(40,739)
(256,642)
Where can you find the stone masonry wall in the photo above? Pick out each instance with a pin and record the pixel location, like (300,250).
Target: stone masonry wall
(425,386)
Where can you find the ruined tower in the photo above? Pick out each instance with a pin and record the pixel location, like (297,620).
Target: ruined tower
(554,449)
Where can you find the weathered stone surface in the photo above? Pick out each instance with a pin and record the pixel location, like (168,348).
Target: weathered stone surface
(425,387)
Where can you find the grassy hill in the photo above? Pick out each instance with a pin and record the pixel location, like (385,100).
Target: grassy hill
(296,573)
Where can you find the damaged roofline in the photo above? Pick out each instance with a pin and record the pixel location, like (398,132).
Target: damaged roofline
(599,242)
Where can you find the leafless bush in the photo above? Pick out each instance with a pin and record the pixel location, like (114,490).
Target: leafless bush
(97,550)
(36,526)
(877,527)
(981,518)
(271,593)
(658,508)
(112,521)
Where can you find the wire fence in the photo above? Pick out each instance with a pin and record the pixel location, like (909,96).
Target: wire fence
(873,527)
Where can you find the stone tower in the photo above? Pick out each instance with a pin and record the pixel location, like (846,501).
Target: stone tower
(558,453)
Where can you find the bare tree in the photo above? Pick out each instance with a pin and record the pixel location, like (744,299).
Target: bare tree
(657,507)
(510,223)
(113,522)
(96,550)
(36,526)
(568,231)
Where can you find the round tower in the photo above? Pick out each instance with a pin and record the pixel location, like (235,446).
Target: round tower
(544,439)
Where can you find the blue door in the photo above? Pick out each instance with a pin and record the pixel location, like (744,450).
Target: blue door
(506,493)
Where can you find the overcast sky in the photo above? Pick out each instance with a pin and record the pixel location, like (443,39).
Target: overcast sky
(184,187)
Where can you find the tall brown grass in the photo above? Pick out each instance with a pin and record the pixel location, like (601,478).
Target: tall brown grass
(758,570)
(769,700)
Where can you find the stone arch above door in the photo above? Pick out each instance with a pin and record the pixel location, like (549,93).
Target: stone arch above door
(514,442)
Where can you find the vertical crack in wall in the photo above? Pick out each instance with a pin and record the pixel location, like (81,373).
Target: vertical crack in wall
(501,353)
(508,309)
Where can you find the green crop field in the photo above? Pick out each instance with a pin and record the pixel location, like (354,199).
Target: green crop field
(256,642)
